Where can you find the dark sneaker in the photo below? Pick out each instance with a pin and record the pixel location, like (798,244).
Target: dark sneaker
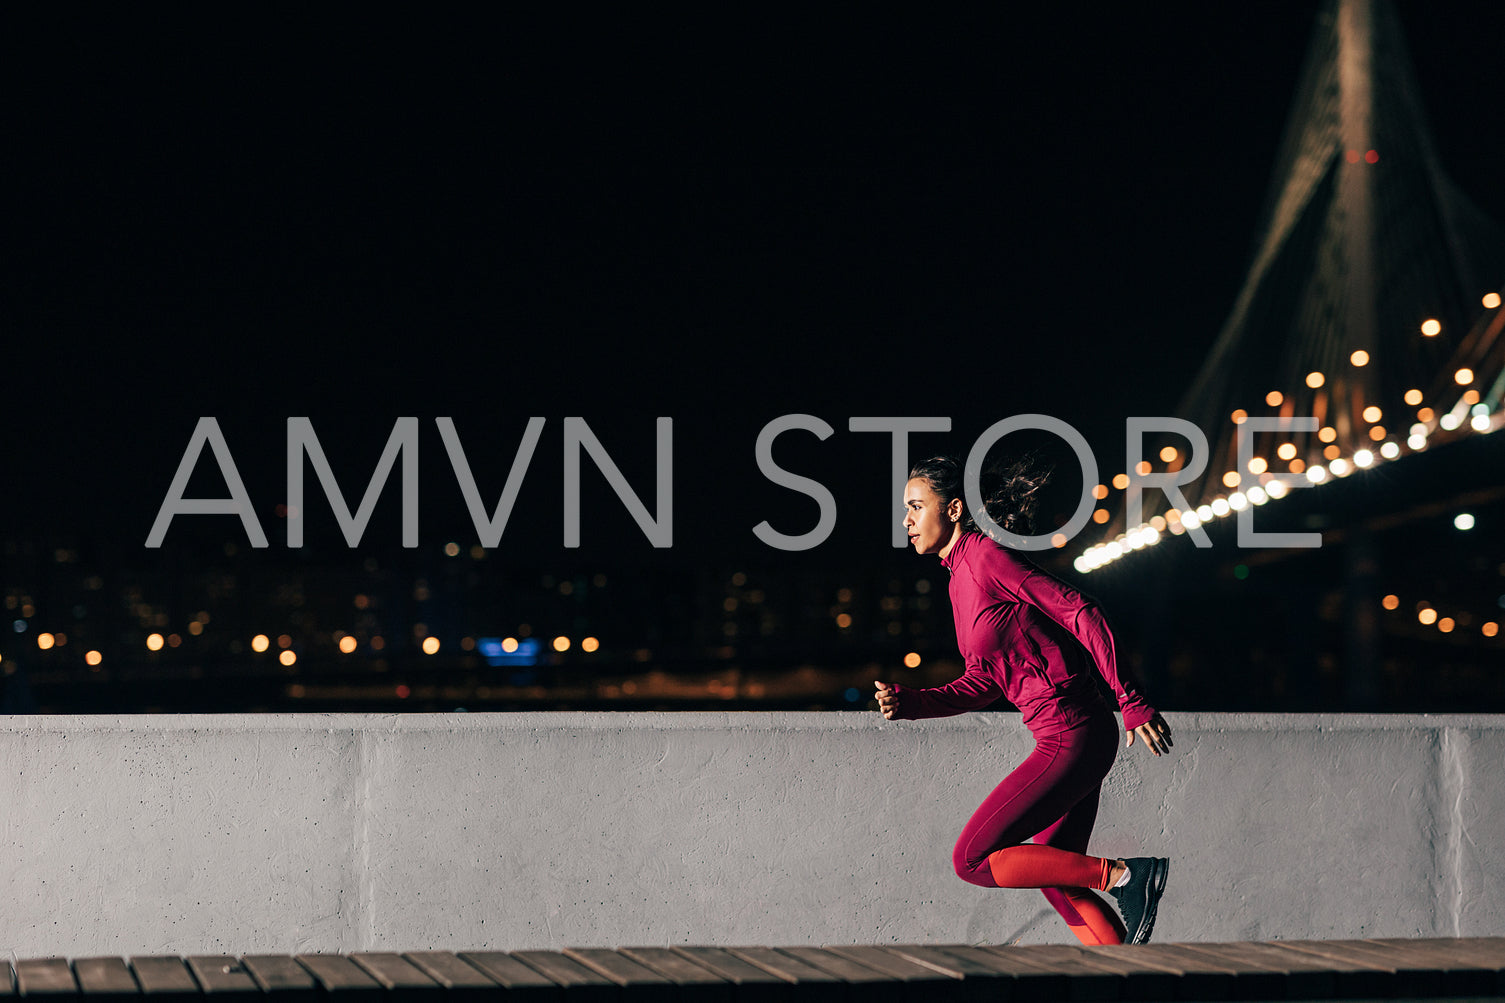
(1139,897)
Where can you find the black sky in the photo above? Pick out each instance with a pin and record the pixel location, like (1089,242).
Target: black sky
(719,220)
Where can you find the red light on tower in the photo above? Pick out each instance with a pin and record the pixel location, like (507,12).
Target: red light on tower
(1353,156)
(1372,157)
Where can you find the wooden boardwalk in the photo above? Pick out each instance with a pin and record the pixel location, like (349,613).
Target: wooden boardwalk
(1435,969)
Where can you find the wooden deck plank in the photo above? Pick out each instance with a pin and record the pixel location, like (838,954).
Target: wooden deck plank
(1484,953)
(751,984)
(636,981)
(1306,976)
(851,972)
(980,980)
(1193,976)
(1355,976)
(579,981)
(281,976)
(220,973)
(342,978)
(789,969)
(1028,981)
(160,976)
(1149,975)
(462,981)
(888,963)
(45,977)
(1453,976)
(400,976)
(521,981)
(696,982)
(1252,978)
(1132,976)
(864,982)
(805,981)
(105,980)
(919,981)
(1215,978)
(1078,979)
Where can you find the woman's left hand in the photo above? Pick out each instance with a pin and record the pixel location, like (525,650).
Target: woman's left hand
(1154,733)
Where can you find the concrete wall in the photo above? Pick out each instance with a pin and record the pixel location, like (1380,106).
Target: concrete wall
(239,834)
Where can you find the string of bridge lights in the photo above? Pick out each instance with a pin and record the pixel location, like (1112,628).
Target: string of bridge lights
(1468,414)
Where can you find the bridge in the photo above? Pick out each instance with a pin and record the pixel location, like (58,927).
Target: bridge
(1372,304)
(1350,400)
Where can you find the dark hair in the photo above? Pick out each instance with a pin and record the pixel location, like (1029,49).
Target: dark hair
(1010,493)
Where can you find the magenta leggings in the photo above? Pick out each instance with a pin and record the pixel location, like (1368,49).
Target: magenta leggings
(1052,796)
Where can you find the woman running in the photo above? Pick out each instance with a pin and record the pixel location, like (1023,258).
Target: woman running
(1034,640)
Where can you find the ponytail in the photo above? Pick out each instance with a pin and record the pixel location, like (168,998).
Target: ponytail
(1011,493)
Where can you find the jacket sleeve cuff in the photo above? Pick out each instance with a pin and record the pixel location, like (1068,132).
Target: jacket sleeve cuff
(908,699)
(1136,716)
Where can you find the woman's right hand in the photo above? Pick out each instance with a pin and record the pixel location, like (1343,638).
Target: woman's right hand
(888,700)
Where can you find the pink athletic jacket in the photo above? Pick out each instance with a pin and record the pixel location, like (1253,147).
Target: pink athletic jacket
(1025,636)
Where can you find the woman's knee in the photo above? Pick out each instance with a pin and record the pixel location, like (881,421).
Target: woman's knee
(972,869)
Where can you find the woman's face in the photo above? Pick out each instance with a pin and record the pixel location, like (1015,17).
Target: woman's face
(930,522)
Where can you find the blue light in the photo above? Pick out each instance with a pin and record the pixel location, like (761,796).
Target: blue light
(852,694)
(526,652)
(20,626)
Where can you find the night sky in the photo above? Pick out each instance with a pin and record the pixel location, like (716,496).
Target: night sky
(720,220)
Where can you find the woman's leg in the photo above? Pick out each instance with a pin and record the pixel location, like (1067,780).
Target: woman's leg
(1088,917)
(1062,770)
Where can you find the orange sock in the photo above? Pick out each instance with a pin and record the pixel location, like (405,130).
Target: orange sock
(1032,866)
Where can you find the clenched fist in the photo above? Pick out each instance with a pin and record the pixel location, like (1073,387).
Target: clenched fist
(888,700)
